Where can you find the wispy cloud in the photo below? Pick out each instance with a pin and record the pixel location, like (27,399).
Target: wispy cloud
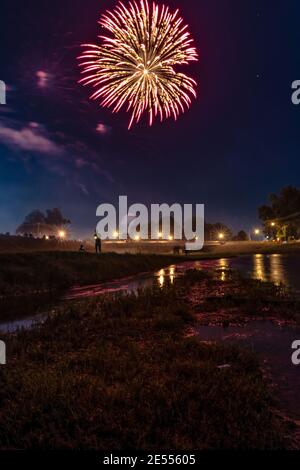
(103,129)
(61,154)
(29,139)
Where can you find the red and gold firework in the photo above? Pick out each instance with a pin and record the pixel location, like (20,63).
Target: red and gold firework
(135,65)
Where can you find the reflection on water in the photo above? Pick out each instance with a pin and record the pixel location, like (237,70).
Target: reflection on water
(259,267)
(25,310)
(224,263)
(277,270)
(273,344)
(280,269)
(26,323)
(172,274)
(166,274)
(223,267)
(161,277)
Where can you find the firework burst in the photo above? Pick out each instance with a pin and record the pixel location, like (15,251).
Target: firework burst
(135,65)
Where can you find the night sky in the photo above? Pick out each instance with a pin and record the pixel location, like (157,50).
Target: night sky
(239,141)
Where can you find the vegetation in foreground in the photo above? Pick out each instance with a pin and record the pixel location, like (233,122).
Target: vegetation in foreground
(38,272)
(26,273)
(122,373)
(224,297)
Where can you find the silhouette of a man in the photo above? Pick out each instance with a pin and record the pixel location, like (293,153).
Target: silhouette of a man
(97,243)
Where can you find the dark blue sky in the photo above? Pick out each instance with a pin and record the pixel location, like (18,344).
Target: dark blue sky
(238,142)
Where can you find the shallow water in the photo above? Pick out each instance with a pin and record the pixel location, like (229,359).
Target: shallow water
(276,268)
(280,269)
(24,323)
(273,345)
(271,342)
(25,310)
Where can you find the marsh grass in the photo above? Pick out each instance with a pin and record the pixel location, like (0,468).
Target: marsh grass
(116,373)
(241,299)
(26,273)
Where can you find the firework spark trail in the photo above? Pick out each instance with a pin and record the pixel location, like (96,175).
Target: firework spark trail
(135,66)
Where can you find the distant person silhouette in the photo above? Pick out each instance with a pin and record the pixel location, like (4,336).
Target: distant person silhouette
(97,243)
(81,248)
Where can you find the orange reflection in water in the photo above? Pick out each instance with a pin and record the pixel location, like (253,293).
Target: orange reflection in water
(259,267)
(161,277)
(223,265)
(276,270)
(165,274)
(172,274)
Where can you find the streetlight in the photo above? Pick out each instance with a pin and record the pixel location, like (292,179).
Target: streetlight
(257,231)
(62,234)
(116,234)
(273,224)
(137,238)
(170,238)
(159,235)
(221,236)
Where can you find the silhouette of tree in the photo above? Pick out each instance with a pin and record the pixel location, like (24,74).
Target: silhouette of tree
(241,236)
(55,217)
(38,224)
(283,211)
(212,231)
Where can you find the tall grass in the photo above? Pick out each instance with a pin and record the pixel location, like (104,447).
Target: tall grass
(117,373)
(31,272)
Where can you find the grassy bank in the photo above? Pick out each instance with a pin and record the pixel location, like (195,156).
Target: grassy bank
(17,244)
(118,373)
(33,272)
